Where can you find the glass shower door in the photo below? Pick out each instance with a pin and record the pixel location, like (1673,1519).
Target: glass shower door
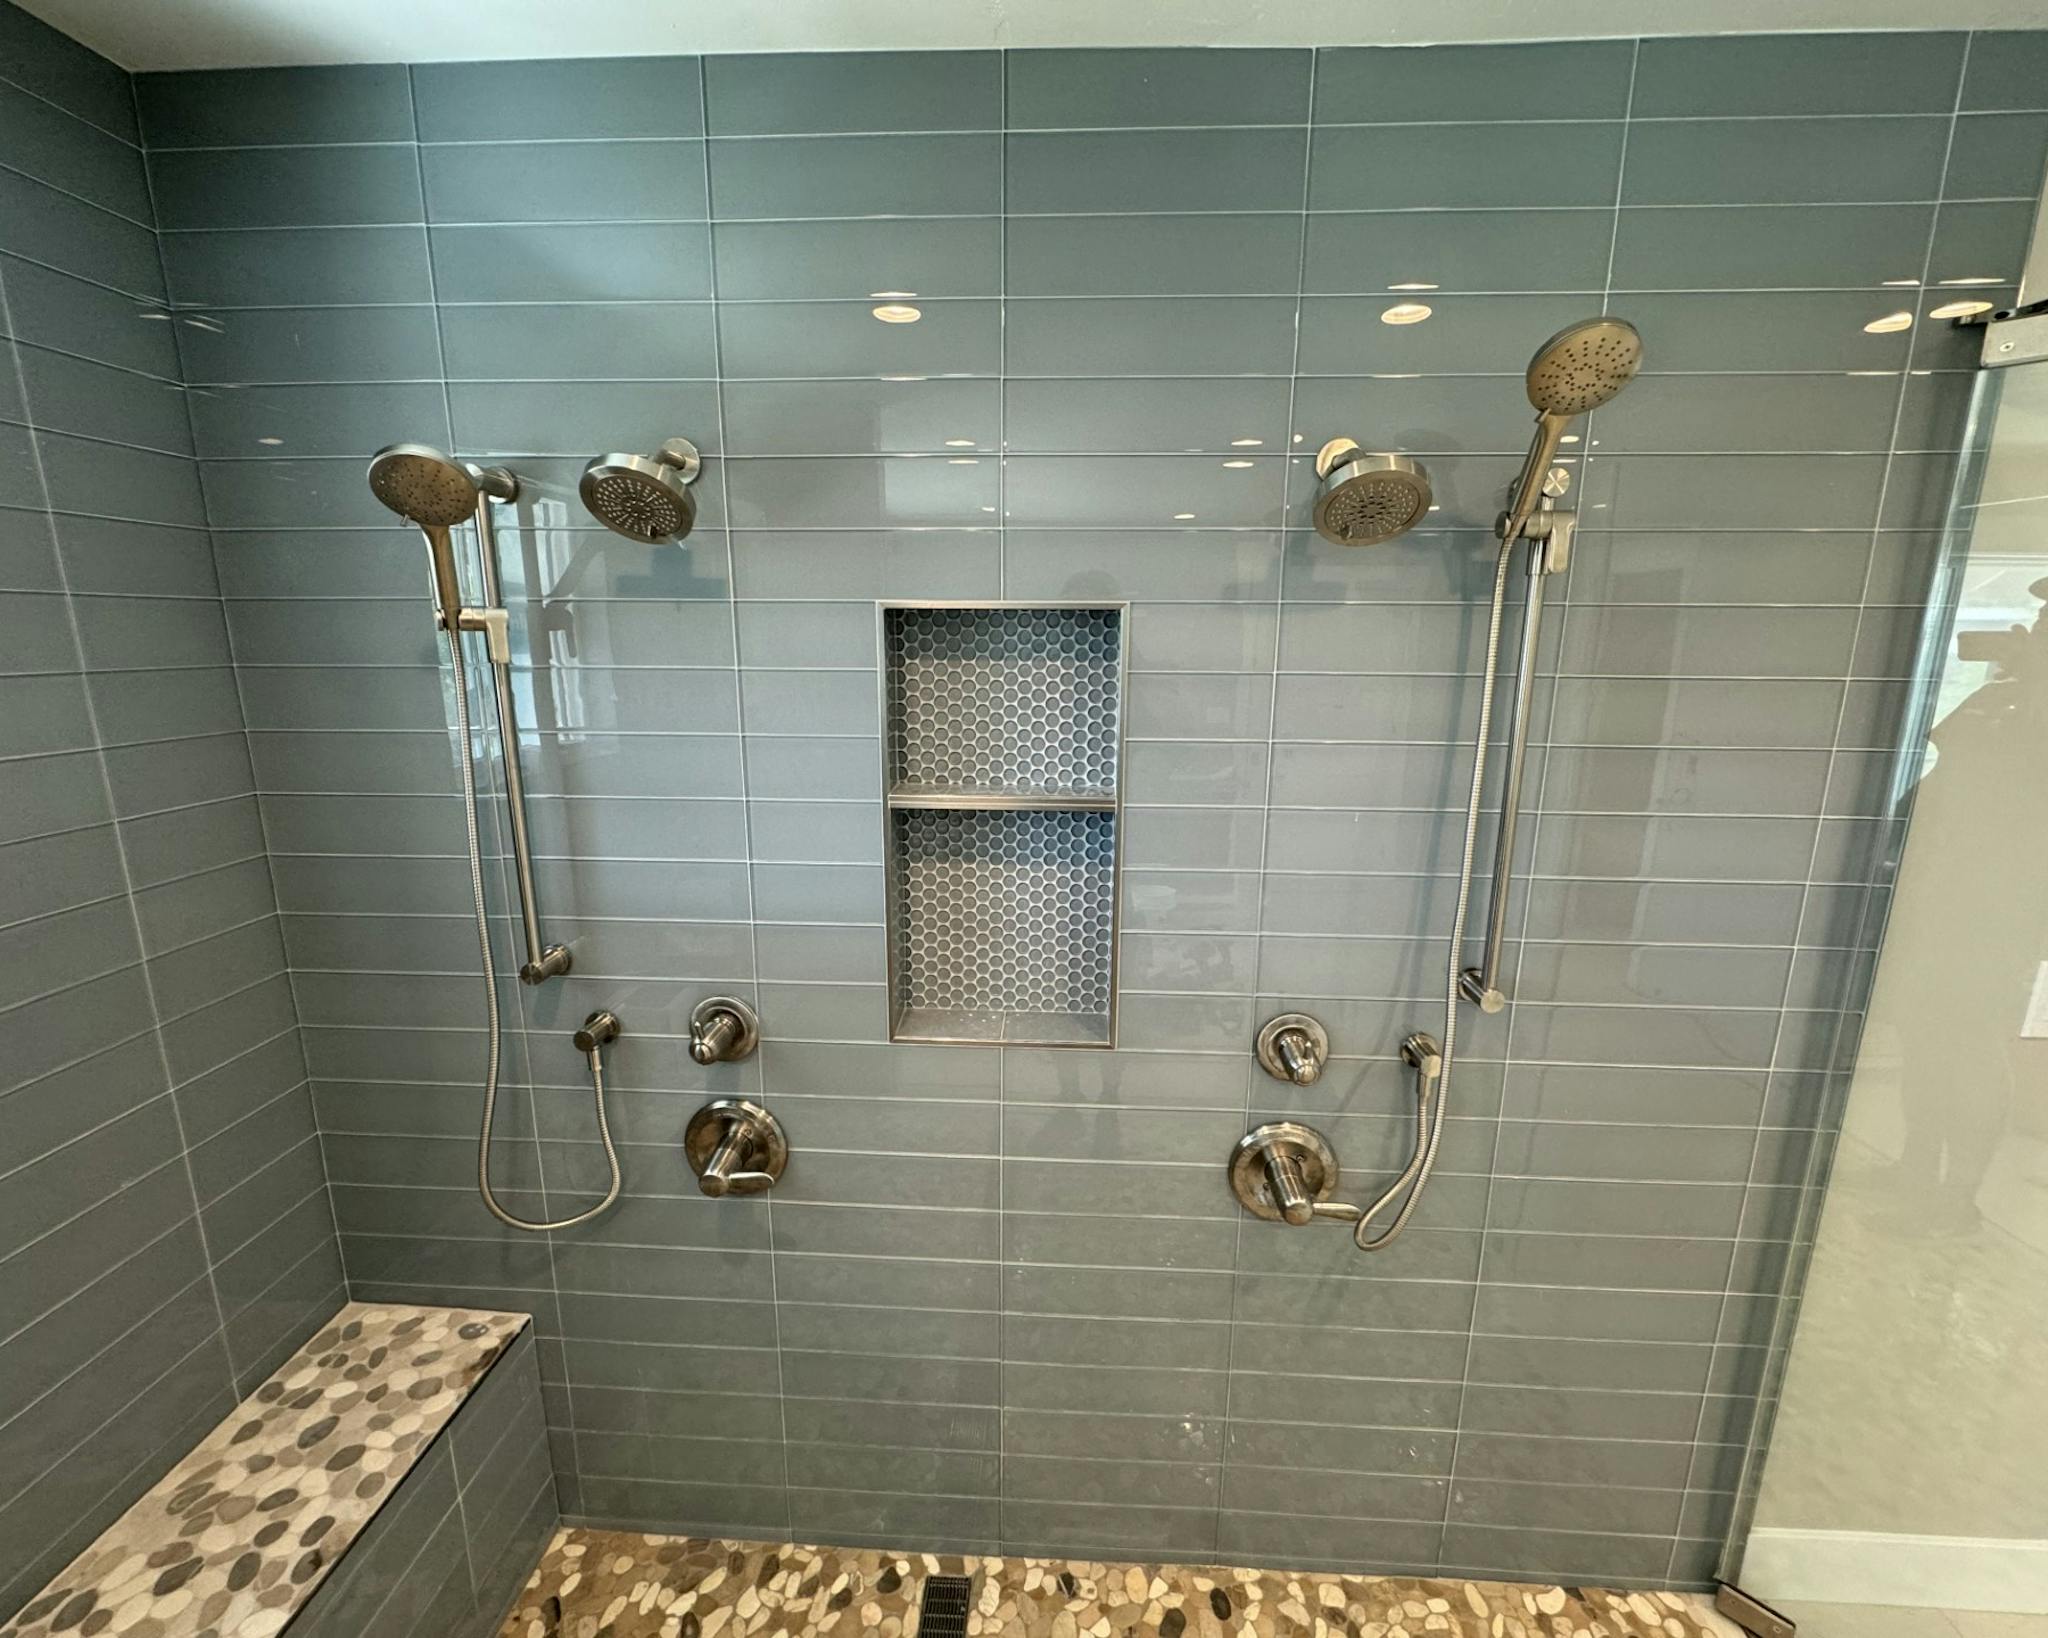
(1903,1490)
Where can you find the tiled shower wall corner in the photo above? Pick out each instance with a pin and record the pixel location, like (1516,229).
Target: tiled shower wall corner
(1003,1297)
(165,1234)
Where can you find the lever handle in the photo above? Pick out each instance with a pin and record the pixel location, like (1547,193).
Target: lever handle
(735,1147)
(724,1168)
(1297,1054)
(1284,1172)
(1290,1189)
(710,1041)
(1292,1046)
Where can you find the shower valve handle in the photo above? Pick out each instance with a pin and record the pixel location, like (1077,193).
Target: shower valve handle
(1298,1053)
(735,1147)
(723,1030)
(1292,1047)
(1284,1172)
(1289,1188)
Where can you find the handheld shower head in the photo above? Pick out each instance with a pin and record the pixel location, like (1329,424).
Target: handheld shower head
(1578,369)
(426,488)
(644,499)
(1363,499)
(1584,365)
(422,485)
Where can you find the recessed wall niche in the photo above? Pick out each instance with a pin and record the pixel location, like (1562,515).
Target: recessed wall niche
(1004,750)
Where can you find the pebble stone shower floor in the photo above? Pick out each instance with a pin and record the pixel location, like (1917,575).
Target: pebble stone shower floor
(621,1584)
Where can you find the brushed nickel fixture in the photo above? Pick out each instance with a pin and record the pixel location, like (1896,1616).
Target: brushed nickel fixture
(1283,1172)
(435,493)
(1364,499)
(1550,533)
(599,1030)
(427,489)
(735,1147)
(723,1030)
(644,497)
(1292,1047)
(1577,370)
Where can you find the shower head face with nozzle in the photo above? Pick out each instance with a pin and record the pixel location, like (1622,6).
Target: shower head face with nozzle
(1584,365)
(645,499)
(1366,499)
(422,485)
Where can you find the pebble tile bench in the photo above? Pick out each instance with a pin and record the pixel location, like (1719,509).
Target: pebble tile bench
(391,1477)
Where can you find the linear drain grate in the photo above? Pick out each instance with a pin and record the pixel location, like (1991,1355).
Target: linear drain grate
(942,1612)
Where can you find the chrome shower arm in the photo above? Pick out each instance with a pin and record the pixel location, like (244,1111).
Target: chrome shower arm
(543,960)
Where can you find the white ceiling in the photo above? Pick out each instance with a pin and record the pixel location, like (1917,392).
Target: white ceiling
(163,34)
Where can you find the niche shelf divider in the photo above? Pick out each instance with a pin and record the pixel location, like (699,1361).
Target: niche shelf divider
(1002,751)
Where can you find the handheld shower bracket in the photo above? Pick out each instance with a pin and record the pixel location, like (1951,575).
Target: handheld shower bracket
(1550,532)
(554,961)
(501,483)
(495,624)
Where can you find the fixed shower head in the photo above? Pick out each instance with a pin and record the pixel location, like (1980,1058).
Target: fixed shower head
(1365,499)
(426,488)
(422,485)
(1584,365)
(645,499)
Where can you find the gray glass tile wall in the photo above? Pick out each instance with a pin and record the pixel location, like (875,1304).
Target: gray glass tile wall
(1002,1298)
(165,1234)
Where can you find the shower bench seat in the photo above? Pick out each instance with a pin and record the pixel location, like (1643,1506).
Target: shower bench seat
(392,1475)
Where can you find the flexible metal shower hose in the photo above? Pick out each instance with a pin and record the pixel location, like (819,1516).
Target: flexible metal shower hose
(1429,1114)
(483,936)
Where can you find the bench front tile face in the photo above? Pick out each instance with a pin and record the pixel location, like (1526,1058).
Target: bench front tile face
(236,1537)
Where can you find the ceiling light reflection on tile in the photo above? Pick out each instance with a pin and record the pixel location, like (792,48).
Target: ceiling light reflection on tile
(1239,465)
(1890,324)
(1960,309)
(959,443)
(1414,285)
(1246,443)
(1406,312)
(896,312)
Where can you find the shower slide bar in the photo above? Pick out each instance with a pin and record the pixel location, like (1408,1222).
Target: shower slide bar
(435,493)
(543,960)
(1548,532)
